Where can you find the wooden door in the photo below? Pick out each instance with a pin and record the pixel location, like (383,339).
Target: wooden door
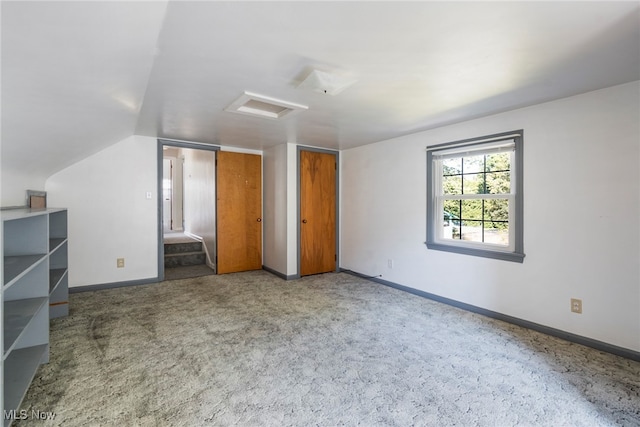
(239,208)
(317,212)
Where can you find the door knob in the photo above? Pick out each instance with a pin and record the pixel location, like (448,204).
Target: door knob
(304,221)
(259,219)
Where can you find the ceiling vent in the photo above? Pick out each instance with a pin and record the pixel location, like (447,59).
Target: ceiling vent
(326,82)
(256,105)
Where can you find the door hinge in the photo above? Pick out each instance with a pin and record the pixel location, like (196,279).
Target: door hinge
(335,257)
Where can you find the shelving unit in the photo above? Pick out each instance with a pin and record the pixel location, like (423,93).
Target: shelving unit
(20,368)
(34,249)
(58,265)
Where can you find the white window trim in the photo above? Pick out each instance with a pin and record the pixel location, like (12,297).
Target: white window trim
(435,198)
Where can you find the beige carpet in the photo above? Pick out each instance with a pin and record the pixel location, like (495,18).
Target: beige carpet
(250,349)
(187,272)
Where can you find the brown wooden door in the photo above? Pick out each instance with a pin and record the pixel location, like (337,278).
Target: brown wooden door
(239,207)
(317,212)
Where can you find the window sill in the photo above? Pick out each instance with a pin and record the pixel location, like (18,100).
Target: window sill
(485,253)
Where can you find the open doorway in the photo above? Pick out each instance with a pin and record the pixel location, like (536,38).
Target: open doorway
(172,190)
(187,209)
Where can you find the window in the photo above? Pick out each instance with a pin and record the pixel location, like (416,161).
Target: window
(474,196)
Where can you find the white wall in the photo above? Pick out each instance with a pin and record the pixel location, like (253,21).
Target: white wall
(109,214)
(280,209)
(240,150)
(15,184)
(200,196)
(581,217)
(292,209)
(177,200)
(274,222)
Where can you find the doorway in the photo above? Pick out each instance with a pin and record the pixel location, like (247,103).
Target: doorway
(187,210)
(317,211)
(167,194)
(172,189)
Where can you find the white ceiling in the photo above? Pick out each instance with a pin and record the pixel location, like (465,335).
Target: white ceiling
(79,76)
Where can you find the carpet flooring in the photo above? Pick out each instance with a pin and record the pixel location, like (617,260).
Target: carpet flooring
(187,272)
(250,349)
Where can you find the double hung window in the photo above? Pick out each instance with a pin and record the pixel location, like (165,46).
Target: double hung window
(474,196)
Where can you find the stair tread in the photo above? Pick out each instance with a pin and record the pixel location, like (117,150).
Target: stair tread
(184,254)
(194,242)
(181,248)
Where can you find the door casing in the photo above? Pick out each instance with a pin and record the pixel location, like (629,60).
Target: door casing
(170,143)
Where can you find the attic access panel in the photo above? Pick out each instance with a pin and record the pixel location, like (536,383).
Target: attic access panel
(256,105)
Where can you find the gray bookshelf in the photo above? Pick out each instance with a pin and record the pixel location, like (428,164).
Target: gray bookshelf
(17,316)
(20,368)
(58,265)
(34,276)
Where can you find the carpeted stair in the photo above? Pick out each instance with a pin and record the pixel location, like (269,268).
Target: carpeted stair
(181,254)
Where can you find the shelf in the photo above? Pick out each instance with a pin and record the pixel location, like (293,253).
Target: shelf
(58,224)
(55,243)
(17,315)
(19,369)
(55,275)
(11,214)
(34,284)
(17,266)
(59,257)
(59,293)
(26,236)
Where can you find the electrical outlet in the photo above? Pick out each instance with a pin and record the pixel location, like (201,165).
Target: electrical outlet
(576,305)
(390,263)
(120,262)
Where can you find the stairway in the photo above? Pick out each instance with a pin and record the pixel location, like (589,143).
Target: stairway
(183,252)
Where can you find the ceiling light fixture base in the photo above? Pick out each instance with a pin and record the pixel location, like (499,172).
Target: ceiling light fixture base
(329,83)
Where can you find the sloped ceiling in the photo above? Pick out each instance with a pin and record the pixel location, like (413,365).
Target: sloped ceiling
(74,75)
(79,76)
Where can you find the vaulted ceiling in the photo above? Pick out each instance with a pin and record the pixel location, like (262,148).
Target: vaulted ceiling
(79,76)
